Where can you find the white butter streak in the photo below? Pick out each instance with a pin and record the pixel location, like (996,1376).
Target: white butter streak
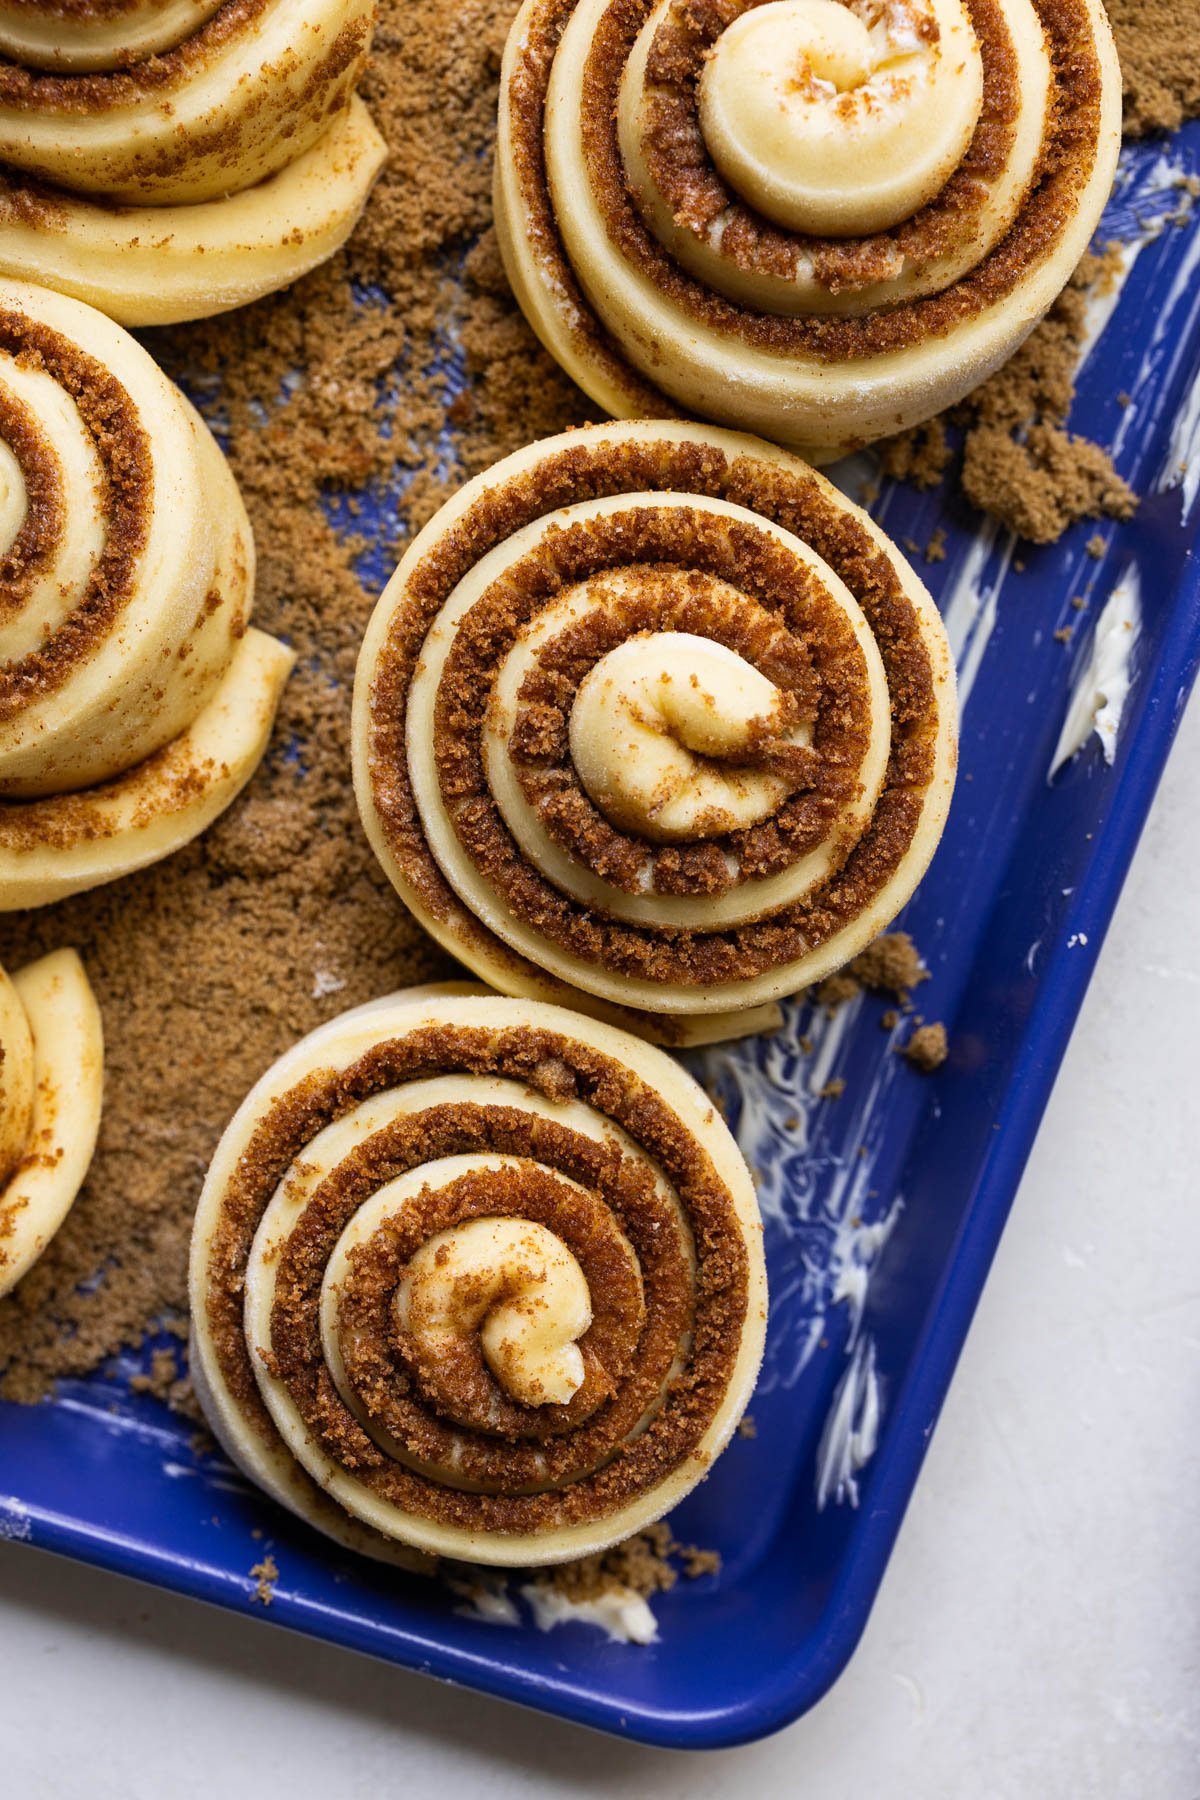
(1101,688)
(770,1090)
(485,1597)
(851,1430)
(623,1614)
(1181,467)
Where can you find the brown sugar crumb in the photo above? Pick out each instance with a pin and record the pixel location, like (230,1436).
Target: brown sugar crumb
(1079,603)
(1064,634)
(833,1090)
(835,991)
(646,1564)
(1041,484)
(891,965)
(920,456)
(266,1574)
(171,1384)
(927,1048)
(746,1427)
(935,549)
(1019,463)
(1096,546)
(890,1019)
(162,1377)
(1160,71)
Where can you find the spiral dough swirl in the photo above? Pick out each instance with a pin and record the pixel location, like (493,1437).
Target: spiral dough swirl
(134,702)
(476,1277)
(167,161)
(821,220)
(51,1091)
(652,720)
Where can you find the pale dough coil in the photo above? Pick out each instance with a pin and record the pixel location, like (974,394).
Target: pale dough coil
(51,1091)
(476,1277)
(820,220)
(652,721)
(134,700)
(166,162)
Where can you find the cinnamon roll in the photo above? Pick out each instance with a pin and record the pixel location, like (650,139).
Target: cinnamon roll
(821,220)
(134,701)
(477,1277)
(51,1088)
(653,721)
(166,162)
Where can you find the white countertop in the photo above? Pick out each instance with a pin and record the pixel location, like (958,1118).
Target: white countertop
(1036,1634)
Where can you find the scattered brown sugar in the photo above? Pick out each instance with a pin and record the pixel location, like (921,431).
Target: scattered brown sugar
(920,456)
(835,990)
(746,1427)
(1096,545)
(1040,483)
(170,1383)
(935,549)
(927,1048)
(891,965)
(1018,462)
(266,1574)
(832,1090)
(1160,68)
(647,1563)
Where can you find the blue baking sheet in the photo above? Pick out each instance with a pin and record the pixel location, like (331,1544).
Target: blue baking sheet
(883,1208)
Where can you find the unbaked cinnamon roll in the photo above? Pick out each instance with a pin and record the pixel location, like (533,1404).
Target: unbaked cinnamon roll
(134,701)
(168,161)
(652,721)
(478,1277)
(51,1089)
(821,220)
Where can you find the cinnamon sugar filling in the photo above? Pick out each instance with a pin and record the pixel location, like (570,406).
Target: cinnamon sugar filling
(772,612)
(674,598)
(682,170)
(527,104)
(710,1304)
(628,1352)
(1067,155)
(43,528)
(669,955)
(383,1362)
(126,458)
(152,81)
(98,91)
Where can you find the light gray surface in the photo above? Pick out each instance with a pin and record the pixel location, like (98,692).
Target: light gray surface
(1037,1630)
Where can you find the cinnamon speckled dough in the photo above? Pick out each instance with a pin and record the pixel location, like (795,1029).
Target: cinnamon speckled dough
(652,720)
(476,1277)
(134,701)
(167,163)
(659,196)
(51,1090)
